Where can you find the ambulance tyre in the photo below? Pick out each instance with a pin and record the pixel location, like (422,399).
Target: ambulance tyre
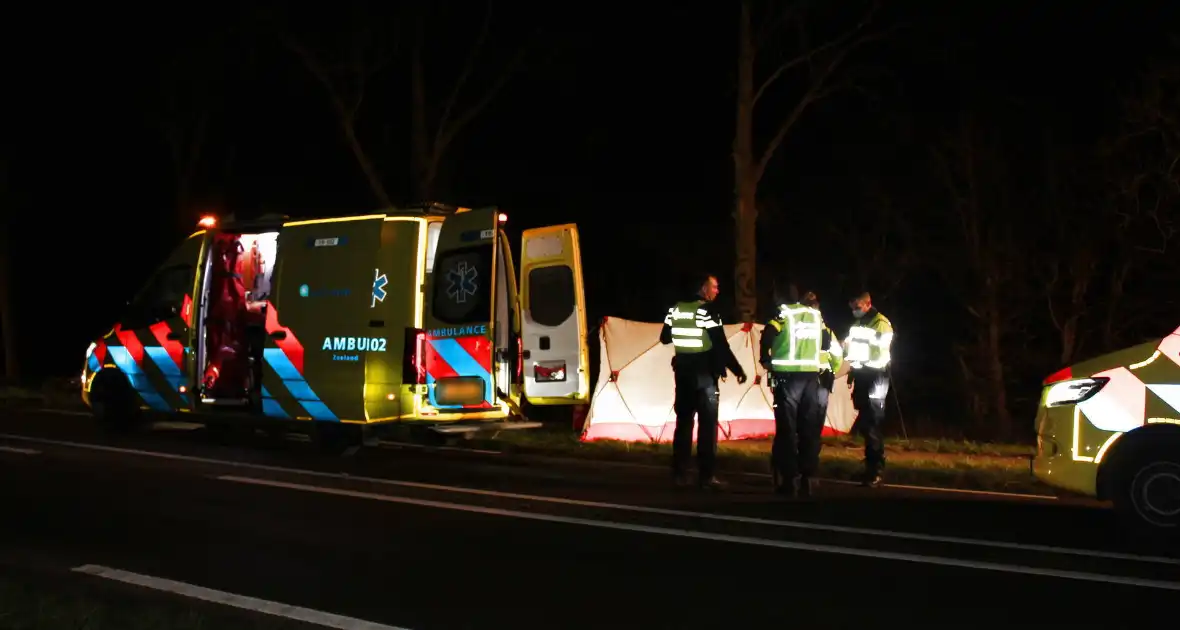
(1146,488)
(113,402)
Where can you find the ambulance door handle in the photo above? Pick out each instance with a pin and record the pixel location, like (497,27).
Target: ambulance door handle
(278,335)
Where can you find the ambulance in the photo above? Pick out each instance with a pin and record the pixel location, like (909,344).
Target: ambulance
(1109,428)
(344,326)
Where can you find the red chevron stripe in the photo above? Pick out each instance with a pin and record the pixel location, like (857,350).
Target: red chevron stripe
(132,343)
(480,348)
(436,366)
(175,350)
(289,345)
(186,310)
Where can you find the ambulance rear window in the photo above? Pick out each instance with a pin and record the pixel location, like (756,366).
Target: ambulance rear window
(462,285)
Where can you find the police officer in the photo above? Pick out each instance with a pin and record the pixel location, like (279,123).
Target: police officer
(867,351)
(694,329)
(792,353)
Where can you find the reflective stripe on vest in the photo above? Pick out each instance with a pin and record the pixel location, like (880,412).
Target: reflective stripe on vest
(690,325)
(866,347)
(797,346)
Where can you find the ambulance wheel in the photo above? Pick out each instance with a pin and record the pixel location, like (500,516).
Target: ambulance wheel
(1146,489)
(113,403)
(332,438)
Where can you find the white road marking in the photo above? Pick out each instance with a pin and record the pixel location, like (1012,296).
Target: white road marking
(297,613)
(427,447)
(19,451)
(1014,495)
(639,509)
(744,540)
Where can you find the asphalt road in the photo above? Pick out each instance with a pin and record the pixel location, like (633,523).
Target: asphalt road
(431,539)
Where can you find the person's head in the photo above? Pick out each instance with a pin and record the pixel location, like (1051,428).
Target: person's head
(708,287)
(809,299)
(861,304)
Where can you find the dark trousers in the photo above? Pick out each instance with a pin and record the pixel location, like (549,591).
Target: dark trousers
(796,435)
(869,388)
(696,400)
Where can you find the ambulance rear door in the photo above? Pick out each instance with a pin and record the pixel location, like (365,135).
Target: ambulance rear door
(459,318)
(553,317)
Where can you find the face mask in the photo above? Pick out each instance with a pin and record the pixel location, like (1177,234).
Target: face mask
(856,312)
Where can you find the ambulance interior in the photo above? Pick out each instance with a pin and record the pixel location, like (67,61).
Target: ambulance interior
(238,275)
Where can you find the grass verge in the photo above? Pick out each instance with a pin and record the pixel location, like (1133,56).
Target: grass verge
(43,604)
(939,463)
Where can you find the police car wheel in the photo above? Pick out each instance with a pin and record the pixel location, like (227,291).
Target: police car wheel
(1147,493)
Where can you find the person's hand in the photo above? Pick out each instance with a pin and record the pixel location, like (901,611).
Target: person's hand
(849,379)
(741,378)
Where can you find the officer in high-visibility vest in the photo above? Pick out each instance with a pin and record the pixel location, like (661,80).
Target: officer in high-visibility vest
(694,329)
(867,351)
(792,353)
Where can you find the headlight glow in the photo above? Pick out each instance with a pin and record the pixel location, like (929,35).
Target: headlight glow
(1074,391)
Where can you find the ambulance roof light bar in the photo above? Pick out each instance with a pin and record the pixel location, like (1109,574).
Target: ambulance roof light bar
(207,222)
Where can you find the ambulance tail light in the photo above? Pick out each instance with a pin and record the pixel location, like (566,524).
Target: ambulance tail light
(414,361)
(501,218)
(1074,391)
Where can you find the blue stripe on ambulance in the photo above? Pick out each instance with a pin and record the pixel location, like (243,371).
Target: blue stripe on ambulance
(271,407)
(137,377)
(464,364)
(172,374)
(92,363)
(298,387)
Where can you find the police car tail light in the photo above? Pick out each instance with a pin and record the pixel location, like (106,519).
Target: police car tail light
(1074,391)
(414,363)
(549,372)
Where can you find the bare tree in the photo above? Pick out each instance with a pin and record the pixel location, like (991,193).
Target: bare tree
(821,63)
(979,186)
(190,98)
(373,46)
(431,138)
(1143,162)
(7,312)
(369,47)
(1071,268)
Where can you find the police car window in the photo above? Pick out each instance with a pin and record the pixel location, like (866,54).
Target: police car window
(463,285)
(551,295)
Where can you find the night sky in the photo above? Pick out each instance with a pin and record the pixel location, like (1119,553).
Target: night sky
(620,119)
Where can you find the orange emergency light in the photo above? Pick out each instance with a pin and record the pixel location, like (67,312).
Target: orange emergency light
(502,217)
(208,222)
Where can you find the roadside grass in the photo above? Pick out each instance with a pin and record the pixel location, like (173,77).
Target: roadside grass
(939,463)
(38,605)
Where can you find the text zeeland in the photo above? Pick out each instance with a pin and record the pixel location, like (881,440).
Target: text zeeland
(354,344)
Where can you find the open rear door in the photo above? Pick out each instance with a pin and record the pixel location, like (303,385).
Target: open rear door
(553,322)
(459,318)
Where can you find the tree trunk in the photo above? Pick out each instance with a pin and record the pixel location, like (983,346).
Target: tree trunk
(745,179)
(995,365)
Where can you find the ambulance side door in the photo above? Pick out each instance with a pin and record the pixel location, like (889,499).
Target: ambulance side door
(553,317)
